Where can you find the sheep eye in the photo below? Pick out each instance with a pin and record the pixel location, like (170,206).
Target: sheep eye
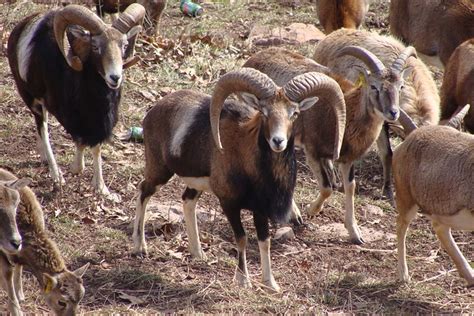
(294,115)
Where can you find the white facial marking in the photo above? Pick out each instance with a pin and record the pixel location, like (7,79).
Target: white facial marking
(278,138)
(25,47)
(182,131)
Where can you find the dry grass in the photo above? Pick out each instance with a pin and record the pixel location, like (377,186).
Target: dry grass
(319,271)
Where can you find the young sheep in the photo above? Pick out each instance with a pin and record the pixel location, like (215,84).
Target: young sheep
(255,169)
(433,27)
(419,97)
(433,171)
(458,82)
(62,289)
(74,74)
(335,14)
(368,105)
(10,239)
(153,8)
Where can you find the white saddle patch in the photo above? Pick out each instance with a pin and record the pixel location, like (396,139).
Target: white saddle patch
(462,220)
(25,47)
(188,118)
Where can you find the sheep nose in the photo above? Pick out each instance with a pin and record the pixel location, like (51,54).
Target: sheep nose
(277,141)
(394,113)
(16,243)
(114,78)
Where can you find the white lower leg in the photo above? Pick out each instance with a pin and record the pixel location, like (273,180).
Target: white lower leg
(402,227)
(324,192)
(139,242)
(189,209)
(267,275)
(295,214)
(17,282)
(77,165)
(464,268)
(350,221)
(97,180)
(241,276)
(54,171)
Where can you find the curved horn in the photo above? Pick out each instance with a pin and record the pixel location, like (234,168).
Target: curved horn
(398,64)
(78,15)
(407,122)
(133,15)
(243,80)
(312,84)
(456,119)
(369,59)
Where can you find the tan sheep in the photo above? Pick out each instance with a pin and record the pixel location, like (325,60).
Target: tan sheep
(434,173)
(62,288)
(419,97)
(433,27)
(335,14)
(458,83)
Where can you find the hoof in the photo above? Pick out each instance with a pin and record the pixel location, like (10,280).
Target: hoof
(357,240)
(242,280)
(140,254)
(297,221)
(272,286)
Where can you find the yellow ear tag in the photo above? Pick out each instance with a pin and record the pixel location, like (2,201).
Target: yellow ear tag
(361,80)
(48,287)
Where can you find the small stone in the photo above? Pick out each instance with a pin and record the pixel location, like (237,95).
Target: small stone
(284,233)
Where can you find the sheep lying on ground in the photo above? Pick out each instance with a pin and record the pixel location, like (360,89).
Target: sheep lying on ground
(433,171)
(62,289)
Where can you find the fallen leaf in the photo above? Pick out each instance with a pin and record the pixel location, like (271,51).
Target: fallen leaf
(132,299)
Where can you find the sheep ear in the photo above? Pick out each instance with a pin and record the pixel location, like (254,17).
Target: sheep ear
(79,272)
(405,73)
(50,282)
(80,40)
(308,103)
(17,184)
(363,78)
(250,100)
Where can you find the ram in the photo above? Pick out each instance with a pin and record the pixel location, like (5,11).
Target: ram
(368,105)
(255,168)
(75,74)
(433,171)
(62,289)
(335,14)
(154,10)
(10,239)
(433,27)
(458,82)
(419,97)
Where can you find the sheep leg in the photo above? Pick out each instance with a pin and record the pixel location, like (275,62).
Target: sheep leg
(190,198)
(7,283)
(444,235)
(263,235)
(325,189)
(385,154)
(350,222)
(404,218)
(295,216)
(97,180)
(77,165)
(18,283)
(241,276)
(146,190)
(45,145)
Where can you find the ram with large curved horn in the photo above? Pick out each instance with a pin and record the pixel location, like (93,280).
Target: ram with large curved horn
(69,63)
(256,169)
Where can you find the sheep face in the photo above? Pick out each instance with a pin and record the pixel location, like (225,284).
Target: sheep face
(106,52)
(384,94)
(64,291)
(278,114)
(10,239)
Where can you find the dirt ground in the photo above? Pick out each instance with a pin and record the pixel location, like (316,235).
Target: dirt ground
(319,271)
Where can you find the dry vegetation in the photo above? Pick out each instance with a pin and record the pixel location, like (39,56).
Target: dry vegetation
(319,271)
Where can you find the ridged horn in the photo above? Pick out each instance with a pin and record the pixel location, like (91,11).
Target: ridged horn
(244,80)
(75,15)
(399,63)
(133,15)
(369,59)
(407,122)
(313,84)
(456,120)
